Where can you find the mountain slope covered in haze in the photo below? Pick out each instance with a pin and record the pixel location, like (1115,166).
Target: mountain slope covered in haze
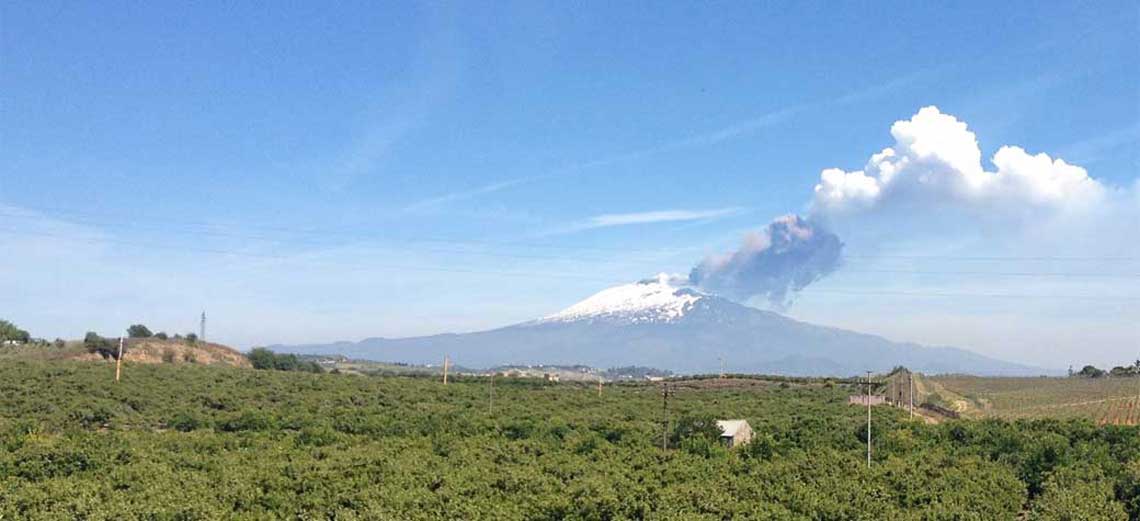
(662,323)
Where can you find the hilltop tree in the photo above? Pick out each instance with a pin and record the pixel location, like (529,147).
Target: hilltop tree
(285,362)
(103,346)
(261,358)
(9,332)
(1091,371)
(139,331)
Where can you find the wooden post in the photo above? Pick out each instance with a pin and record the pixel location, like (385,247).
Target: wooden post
(868,418)
(444,369)
(665,417)
(119,361)
(911,379)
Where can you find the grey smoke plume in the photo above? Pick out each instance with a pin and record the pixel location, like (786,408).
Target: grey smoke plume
(775,263)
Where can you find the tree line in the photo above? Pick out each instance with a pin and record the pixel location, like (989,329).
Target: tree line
(1092,371)
(9,333)
(263,358)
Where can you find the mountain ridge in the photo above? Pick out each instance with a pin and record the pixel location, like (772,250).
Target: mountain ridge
(663,323)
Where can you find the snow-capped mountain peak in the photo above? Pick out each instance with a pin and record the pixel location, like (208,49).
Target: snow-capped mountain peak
(664,298)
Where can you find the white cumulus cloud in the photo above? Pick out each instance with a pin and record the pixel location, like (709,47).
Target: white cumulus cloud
(936,160)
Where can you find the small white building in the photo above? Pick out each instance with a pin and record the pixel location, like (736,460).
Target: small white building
(734,432)
(864,400)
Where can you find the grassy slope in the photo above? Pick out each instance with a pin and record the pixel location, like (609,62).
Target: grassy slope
(1110,400)
(138,350)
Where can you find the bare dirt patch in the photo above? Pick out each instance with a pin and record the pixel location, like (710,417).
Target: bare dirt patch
(155,351)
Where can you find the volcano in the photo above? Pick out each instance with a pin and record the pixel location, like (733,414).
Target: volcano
(663,322)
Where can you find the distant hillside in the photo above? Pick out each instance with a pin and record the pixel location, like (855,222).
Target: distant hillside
(155,351)
(656,323)
(138,350)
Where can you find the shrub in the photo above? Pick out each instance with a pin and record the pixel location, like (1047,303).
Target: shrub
(103,346)
(248,421)
(286,362)
(185,422)
(321,436)
(9,332)
(695,426)
(519,430)
(703,447)
(168,356)
(261,358)
(1077,493)
(1091,371)
(138,331)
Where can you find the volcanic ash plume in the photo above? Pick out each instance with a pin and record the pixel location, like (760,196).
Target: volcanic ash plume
(783,258)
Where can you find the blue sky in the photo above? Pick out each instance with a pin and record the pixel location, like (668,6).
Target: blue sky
(308,174)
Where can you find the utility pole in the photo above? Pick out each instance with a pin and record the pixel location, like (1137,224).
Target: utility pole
(444,369)
(599,386)
(910,379)
(119,361)
(868,419)
(491,405)
(665,392)
(202,328)
(722,373)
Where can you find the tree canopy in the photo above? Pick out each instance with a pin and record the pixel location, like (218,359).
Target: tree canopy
(9,332)
(203,442)
(105,347)
(138,331)
(1091,371)
(263,358)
